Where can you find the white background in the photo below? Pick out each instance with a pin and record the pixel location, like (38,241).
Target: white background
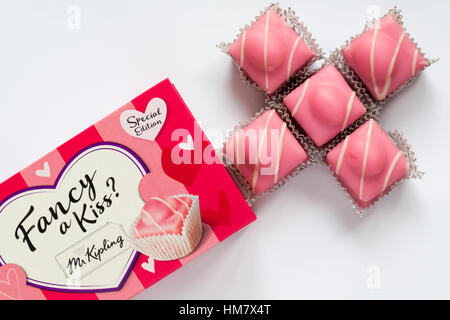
(307,243)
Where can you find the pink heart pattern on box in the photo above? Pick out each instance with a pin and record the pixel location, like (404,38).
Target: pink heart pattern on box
(12,282)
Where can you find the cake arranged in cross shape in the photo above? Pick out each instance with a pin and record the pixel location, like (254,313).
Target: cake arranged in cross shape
(367,163)
(384,57)
(324,105)
(265,151)
(270,51)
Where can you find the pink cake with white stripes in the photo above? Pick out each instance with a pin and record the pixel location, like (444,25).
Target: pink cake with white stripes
(384,57)
(265,151)
(367,163)
(168,228)
(163,215)
(270,51)
(324,105)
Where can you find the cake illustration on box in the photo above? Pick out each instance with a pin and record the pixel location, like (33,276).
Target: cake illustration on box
(168,228)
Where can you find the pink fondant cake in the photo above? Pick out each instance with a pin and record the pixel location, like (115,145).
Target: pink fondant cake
(168,228)
(324,105)
(265,151)
(163,215)
(367,163)
(270,51)
(384,57)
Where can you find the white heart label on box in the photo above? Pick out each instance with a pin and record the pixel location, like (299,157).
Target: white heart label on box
(149,265)
(145,125)
(69,236)
(44,172)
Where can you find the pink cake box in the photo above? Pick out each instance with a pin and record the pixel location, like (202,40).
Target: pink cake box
(384,56)
(64,212)
(273,49)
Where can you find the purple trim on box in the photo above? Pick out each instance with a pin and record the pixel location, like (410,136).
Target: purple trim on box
(134,255)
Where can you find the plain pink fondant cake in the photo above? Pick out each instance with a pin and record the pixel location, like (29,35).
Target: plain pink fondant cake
(324,105)
(270,51)
(384,57)
(367,163)
(163,215)
(265,151)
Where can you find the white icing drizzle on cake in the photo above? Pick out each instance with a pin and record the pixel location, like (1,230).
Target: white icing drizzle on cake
(387,83)
(349,110)
(414,63)
(366,153)
(391,170)
(280,150)
(266,35)
(183,202)
(341,156)
(302,96)
(153,221)
(242,50)
(236,150)
(291,56)
(169,206)
(260,146)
